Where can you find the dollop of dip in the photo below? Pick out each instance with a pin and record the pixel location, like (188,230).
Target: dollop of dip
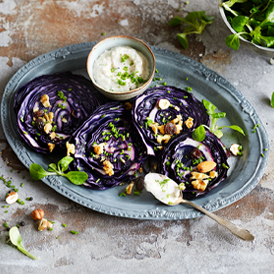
(162,188)
(121,69)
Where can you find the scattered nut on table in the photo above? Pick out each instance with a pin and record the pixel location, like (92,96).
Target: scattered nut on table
(37,214)
(12,197)
(43,224)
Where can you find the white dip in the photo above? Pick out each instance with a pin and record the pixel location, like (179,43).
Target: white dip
(162,188)
(121,69)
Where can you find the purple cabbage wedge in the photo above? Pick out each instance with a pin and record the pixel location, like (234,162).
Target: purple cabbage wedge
(180,159)
(108,147)
(51,107)
(161,113)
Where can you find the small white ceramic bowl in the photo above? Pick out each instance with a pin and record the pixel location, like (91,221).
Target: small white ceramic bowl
(116,41)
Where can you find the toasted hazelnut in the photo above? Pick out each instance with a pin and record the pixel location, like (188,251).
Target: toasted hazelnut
(213,174)
(12,197)
(47,128)
(200,184)
(35,109)
(128,105)
(198,176)
(45,101)
(43,224)
(49,224)
(51,147)
(37,214)
(163,104)
(206,166)
(108,167)
(189,122)
(70,148)
(129,188)
(164,138)
(99,149)
(182,186)
(51,116)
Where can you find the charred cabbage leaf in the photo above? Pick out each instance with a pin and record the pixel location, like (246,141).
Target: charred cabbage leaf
(161,113)
(51,107)
(180,159)
(108,147)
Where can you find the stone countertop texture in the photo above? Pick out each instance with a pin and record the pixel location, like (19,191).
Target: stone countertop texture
(107,244)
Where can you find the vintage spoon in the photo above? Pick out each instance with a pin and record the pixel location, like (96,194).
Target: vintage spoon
(168,192)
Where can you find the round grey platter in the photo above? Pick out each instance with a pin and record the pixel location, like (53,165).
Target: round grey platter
(177,70)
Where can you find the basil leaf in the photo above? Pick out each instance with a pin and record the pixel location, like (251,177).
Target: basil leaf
(199,134)
(77,177)
(37,172)
(64,163)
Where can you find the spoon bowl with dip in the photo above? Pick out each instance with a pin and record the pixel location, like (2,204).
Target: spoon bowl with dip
(168,192)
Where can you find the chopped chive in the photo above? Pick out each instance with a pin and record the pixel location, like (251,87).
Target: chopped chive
(64,225)
(74,232)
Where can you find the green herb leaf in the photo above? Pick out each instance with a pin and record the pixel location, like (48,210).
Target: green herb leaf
(52,167)
(233,41)
(199,134)
(64,163)
(37,172)
(16,239)
(234,127)
(272,100)
(77,177)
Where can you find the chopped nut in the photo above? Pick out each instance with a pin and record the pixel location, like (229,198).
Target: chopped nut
(12,197)
(177,108)
(200,184)
(51,116)
(198,176)
(35,109)
(108,167)
(179,127)
(98,149)
(52,135)
(70,148)
(206,166)
(46,116)
(45,101)
(129,188)
(47,128)
(177,119)
(128,105)
(154,128)
(37,214)
(42,224)
(235,149)
(189,122)
(163,104)
(164,138)
(64,120)
(51,147)
(213,174)
(49,224)
(162,129)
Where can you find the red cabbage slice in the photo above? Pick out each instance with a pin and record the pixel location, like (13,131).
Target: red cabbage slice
(72,99)
(146,113)
(177,161)
(110,127)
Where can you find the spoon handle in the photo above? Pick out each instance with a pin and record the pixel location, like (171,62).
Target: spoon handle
(242,233)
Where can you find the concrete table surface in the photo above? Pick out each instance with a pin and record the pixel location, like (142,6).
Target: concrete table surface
(107,244)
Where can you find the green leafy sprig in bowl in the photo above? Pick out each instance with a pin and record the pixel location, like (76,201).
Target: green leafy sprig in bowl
(245,29)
